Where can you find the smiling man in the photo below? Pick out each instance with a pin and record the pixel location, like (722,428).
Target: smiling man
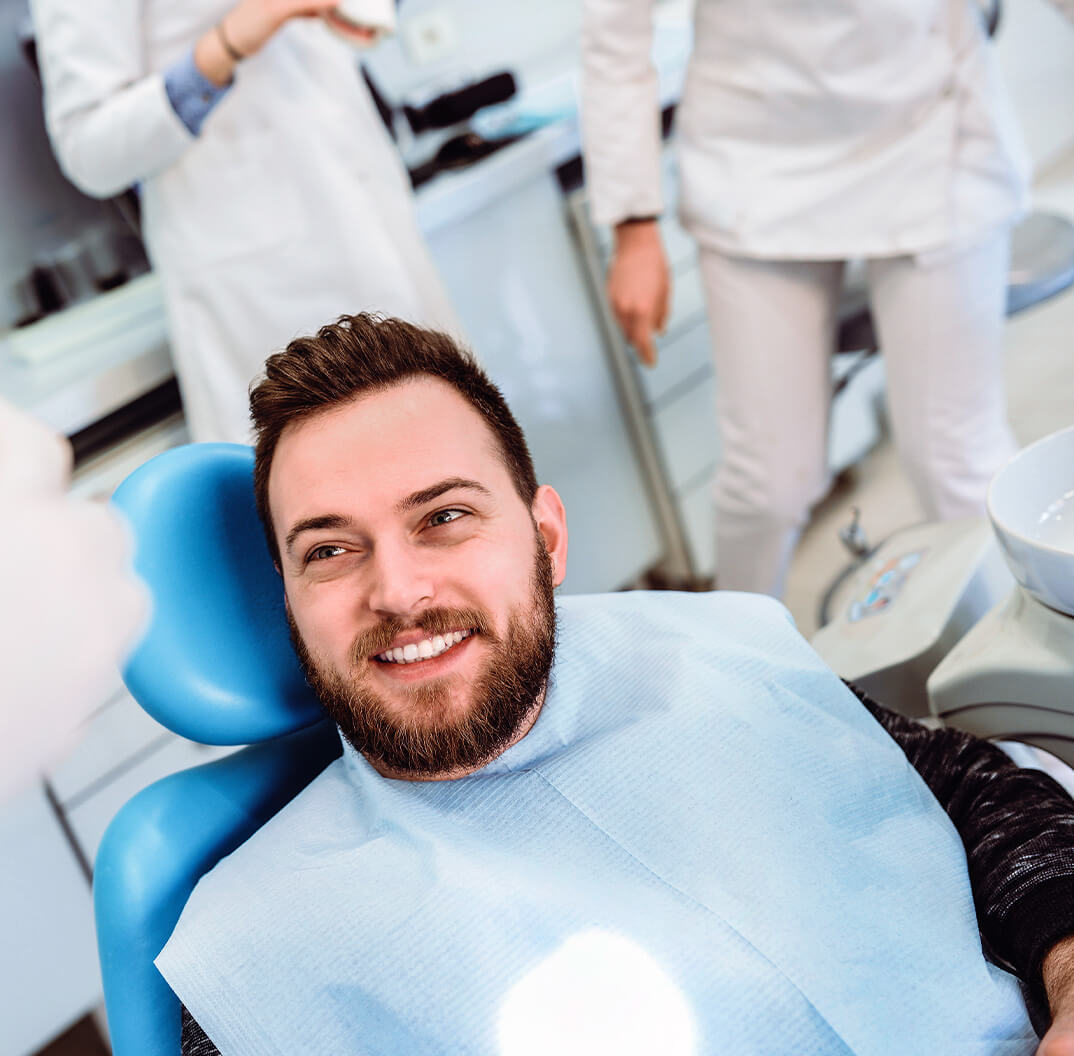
(629,823)
(419,573)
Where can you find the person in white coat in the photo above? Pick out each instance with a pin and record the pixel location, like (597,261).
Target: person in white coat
(808,135)
(272,195)
(70,604)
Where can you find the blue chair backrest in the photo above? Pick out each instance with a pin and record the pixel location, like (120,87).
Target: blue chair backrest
(216,666)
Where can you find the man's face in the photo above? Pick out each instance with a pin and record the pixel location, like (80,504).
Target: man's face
(418,582)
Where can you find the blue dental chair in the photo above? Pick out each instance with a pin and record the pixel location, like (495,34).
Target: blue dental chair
(216,666)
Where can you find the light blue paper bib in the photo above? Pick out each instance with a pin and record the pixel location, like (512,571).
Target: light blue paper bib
(704,846)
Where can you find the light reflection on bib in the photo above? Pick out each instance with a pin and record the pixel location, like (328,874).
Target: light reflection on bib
(598,993)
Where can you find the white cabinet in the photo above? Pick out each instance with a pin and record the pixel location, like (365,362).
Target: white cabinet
(48,956)
(49,975)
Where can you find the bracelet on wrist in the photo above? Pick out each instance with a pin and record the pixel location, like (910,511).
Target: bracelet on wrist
(233,53)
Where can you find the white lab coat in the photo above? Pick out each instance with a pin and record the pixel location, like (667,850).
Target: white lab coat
(290,208)
(808,131)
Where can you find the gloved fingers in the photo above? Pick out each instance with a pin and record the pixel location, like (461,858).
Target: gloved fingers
(34,460)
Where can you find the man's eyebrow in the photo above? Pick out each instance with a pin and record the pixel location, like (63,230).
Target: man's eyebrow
(309,524)
(419,498)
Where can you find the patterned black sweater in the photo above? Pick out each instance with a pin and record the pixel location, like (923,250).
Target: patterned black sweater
(1017,826)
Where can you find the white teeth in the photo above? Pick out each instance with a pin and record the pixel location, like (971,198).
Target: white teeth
(426,649)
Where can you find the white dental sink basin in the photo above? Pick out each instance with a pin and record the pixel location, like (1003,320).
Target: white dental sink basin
(1031,505)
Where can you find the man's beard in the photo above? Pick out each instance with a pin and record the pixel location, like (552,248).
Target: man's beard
(426,742)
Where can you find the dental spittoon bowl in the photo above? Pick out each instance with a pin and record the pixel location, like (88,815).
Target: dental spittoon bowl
(1031,505)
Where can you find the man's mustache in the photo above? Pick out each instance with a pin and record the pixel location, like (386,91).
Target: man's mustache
(441,621)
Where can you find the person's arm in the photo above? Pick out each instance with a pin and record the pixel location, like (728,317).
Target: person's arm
(109,117)
(1058,972)
(1017,826)
(621,144)
(193,1041)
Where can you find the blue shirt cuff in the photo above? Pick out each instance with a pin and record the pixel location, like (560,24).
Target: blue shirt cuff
(190,92)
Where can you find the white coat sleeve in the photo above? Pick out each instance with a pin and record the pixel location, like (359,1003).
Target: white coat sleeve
(69,603)
(108,116)
(620,110)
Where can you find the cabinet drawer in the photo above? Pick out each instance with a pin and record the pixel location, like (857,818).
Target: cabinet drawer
(687,303)
(90,818)
(679,361)
(114,735)
(686,432)
(100,475)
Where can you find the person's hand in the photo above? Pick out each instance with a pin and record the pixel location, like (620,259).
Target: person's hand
(251,24)
(69,604)
(246,29)
(639,286)
(1058,971)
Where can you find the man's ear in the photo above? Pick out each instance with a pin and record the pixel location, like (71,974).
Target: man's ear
(551,520)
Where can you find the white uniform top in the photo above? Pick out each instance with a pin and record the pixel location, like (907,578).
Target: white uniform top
(290,208)
(825,130)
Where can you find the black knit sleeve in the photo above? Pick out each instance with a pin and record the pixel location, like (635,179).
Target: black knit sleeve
(193,1040)
(1017,826)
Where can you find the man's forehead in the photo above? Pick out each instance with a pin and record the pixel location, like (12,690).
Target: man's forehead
(394,439)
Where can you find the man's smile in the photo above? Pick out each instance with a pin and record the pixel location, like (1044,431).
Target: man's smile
(424,648)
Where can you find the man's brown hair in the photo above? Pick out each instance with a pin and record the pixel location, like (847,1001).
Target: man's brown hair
(366,353)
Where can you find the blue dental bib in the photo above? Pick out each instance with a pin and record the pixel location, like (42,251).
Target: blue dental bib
(705,839)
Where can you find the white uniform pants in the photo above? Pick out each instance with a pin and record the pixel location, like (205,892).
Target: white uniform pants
(939,320)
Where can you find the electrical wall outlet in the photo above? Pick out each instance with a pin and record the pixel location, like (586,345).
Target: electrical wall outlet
(429,36)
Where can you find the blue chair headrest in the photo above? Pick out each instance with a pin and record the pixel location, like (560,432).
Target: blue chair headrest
(216,664)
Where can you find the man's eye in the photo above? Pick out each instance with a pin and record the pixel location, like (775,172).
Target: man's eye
(445,517)
(322,553)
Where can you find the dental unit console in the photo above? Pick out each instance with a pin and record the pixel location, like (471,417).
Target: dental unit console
(971,623)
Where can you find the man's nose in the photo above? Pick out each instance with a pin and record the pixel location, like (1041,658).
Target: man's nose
(402,580)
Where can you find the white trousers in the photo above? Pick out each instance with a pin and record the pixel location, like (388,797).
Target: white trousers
(939,320)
